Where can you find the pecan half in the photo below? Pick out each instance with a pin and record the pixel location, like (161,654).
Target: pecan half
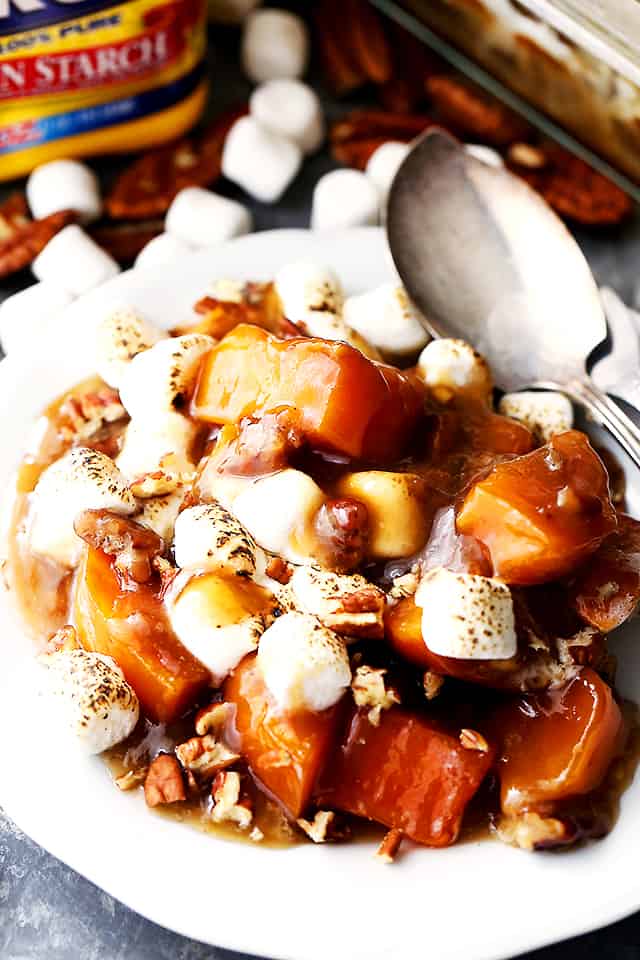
(343,74)
(124,241)
(14,214)
(365,35)
(471,112)
(22,246)
(164,782)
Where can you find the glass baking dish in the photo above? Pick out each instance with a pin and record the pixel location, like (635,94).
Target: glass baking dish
(572,67)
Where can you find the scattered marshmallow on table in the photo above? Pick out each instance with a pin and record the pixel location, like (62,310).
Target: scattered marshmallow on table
(162,250)
(231,11)
(290,109)
(74,261)
(344,198)
(64,185)
(382,166)
(26,315)
(261,162)
(387,319)
(486,154)
(120,337)
(275,45)
(202,218)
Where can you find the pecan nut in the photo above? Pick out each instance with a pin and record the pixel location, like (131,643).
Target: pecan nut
(132,546)
(14,214)
(164,782)
(24,244)
(124,241)
(472,113)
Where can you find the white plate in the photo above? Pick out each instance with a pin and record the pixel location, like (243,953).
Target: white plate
(477,901)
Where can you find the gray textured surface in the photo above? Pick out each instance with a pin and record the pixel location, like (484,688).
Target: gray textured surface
(48,912)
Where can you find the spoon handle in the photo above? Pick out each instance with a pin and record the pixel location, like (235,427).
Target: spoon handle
(608,413)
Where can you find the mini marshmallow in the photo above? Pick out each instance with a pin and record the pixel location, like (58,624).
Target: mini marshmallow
(545,413)
(382,166)
(275,45)
(203,218)
(150,445)
(64,185)
(451,367)
(485,154)
(74,261)
(261,162)
(466,616)
(344,198)
(26,315)
(304,665)
(307,288)
(160,514)
(120,337)
(290,109)
(387,319)
(231,11)
(208,537)
(159,380)
(162,250)
(331,597)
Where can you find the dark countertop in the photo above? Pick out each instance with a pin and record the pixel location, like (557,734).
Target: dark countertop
(49,912)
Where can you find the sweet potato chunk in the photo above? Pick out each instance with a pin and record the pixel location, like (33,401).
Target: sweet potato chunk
(406,773)
(131,626)
(557,744)
(607,591)
(285,753)
(541,515)
(346,403)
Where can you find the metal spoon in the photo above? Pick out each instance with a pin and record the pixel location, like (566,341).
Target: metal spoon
(619,372)
(486,260)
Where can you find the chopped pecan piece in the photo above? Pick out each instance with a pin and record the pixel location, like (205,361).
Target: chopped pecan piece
(82,416)
(22,246)
(531,831)
(342,529)
(388,849)
(279,570)
(66,638)
(473,113)
(213,718)
(205,756)
(326,827)
(472,740)
(228,805)
(164,782)
(131,779)
(432,684)
(132,546)
(370,690)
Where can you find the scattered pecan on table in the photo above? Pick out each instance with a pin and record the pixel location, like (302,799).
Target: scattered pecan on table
(23,244)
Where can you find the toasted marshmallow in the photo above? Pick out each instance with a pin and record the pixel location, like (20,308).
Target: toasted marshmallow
(151,446)
(164,249)
(74,261)
(308,291)
(545,413)
(208,537)
(203,218)
(344,198)
(304,665)
(160,514)
(82,479)
(218,619)
(290,109)
(64,185)
(228,290)
(382,166)
(348,604)
(94,700)
(466,617)
(120,337)
(231,11)
(387,319)
(275,45)
(278,511)
(450,367)
(160,380)
(26,315)
(261,162)
(486,154)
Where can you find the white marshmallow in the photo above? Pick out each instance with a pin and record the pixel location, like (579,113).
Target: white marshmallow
(160,380)
(304,665)
(120,337)
(466,617)
(387,319)
(26,315)
(152,444)
(278,511)
(209,537)
(486,154)
(344,198)
(261,162)
(545,412)
(64,185)
(74,261)
(325,595)
(82,479)
(382,166)
(275,45)
(204,218)
(231,11)
(290,109)
(92,697)
(307,290)
(450,366)
(160,514)
(162,250)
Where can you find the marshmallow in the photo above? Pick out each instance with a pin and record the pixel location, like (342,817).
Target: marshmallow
(73,260)
(82,479)
(382,166)
(290,109)
(208,537)
(344,198)
(64,185)
(120,337)
(450,367)
(230,11)
(304,665)
(203,218)
(466,617)
(327,595)
(26,315)
(485,154)
(387,319)
(261,162)
(150,445)
(160,514)
(160,380)
(545,413)
(307,289)
(162,250)
(275,45)
(92,697)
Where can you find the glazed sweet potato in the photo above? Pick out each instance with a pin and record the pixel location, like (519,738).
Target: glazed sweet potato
(607,591)
(406,773)
(132,627)
(285,753)
(543,514)
(346,403)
